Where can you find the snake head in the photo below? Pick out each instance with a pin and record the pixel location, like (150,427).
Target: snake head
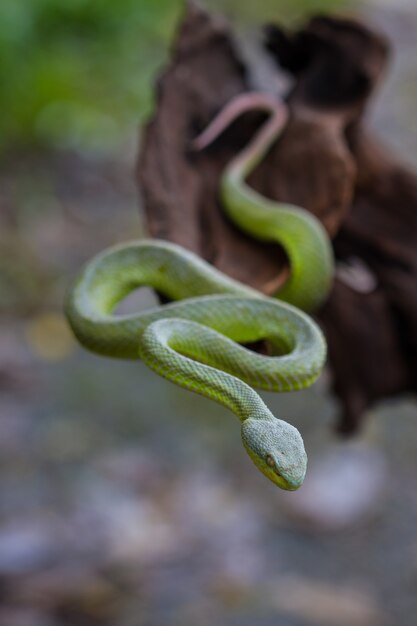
(277,449)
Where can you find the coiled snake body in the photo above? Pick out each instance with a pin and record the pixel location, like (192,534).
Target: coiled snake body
(195,342)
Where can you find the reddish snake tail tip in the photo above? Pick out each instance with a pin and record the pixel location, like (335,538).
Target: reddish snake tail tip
(242,103)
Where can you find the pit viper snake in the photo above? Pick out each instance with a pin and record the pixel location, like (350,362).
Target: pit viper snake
(196,341)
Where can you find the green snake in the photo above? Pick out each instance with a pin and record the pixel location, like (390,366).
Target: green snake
(196,341)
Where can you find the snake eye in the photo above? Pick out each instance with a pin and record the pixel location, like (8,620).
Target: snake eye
(269,460)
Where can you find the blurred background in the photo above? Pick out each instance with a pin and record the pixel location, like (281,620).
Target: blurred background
(124,500)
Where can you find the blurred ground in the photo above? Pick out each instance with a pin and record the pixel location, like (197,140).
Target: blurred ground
(127,501)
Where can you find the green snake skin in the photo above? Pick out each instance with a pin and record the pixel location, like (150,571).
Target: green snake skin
(196,341)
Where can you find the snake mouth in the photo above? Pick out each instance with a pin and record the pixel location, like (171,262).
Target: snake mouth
(279,478)
(293,485)
(285,482)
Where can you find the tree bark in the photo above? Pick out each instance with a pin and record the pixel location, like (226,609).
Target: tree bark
(324,161)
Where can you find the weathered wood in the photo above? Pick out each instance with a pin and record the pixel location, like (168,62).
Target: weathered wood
(324,161)
(180,187)
(373,338)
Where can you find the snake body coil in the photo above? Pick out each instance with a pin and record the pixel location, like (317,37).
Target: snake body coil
(195,341)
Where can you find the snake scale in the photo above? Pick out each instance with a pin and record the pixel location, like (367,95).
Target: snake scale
(196,340)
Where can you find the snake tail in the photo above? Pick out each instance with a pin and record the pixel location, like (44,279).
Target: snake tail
(299,232)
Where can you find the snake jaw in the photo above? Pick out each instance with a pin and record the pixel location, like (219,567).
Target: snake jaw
(290,483)
(287,482)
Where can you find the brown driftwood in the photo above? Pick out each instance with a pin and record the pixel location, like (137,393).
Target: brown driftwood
(180,187)
(324,161)
(372,338)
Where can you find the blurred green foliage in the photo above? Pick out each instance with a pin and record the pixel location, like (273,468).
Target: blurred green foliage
(78,73)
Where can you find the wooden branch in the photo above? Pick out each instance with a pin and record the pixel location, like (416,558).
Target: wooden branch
(179,186)
(324,162)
